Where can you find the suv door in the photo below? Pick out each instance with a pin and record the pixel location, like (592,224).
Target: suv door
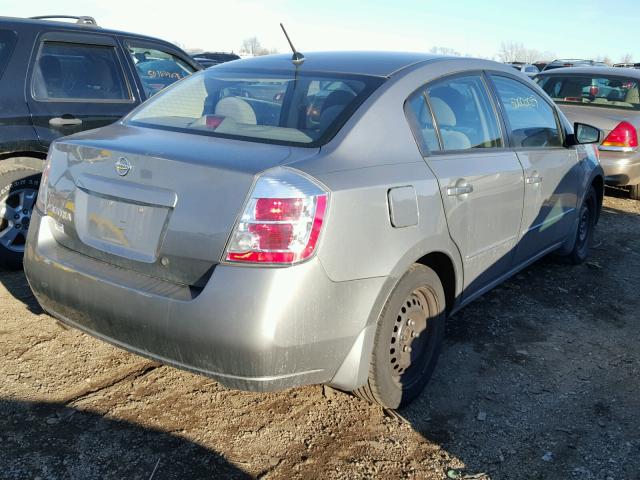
(551,176)
(460,133)
(156,65)
(76,82)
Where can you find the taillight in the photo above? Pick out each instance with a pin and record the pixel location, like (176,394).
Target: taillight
(281,222)
(624,137)
(43,192)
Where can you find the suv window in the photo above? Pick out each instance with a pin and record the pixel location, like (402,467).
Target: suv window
(465,116)
(72,71)
(532,121)
(7,41)
(157,69)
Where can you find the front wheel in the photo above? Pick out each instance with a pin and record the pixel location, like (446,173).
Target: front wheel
(408,340)
(586,226)
(18,193)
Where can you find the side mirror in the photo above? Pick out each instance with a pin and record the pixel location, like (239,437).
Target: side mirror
(585,134)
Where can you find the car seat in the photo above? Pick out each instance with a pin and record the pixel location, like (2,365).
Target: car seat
(571,89)
(633,96)
(451,138)
(333,106)
(236,109)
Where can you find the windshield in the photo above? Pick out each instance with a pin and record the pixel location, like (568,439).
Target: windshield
(306,109)
(7,40)
(616,92)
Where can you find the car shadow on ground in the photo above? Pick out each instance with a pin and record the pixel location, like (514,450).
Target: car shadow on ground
(15,283)
(50,440)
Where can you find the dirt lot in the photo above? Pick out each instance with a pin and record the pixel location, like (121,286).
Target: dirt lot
(538,380)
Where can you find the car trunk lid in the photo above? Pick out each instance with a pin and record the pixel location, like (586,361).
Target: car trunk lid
(158,202)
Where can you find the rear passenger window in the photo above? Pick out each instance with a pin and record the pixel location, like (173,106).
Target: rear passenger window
(70,71)
(464,114)
(419,116)
(157,69)
(7,41)
(532,121)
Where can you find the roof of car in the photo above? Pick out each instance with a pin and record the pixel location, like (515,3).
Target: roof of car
(379,64)
(619,72)
(69,25)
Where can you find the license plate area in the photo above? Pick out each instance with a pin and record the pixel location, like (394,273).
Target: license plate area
(130,230)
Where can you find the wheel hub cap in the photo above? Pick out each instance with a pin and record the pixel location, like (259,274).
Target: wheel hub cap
(411,323)
(15,218)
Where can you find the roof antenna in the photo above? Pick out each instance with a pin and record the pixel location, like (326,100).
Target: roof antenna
(297,58)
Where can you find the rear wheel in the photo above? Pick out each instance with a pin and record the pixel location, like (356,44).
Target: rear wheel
(18,192)
(586,226)
(634,192)
(408,340)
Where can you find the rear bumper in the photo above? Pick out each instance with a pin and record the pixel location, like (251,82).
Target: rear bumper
(621,168)
(250,328)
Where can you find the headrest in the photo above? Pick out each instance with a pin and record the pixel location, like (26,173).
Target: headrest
(443,112)
(236,109)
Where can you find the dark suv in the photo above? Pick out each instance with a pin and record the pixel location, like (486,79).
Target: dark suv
(59,78)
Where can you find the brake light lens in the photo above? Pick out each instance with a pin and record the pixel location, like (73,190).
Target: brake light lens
(282,221)
(623,136)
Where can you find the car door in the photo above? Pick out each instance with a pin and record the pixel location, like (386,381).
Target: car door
(481,182)
(156,65)
(550,169)
(76,82)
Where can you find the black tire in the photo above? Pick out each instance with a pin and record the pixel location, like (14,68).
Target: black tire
(392,382)
(587,216)
(634,192)
(17,188)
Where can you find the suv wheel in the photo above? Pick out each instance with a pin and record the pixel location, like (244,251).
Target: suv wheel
(18,192)
(408,340)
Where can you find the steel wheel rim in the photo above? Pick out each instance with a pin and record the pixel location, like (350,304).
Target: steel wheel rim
(583,226)
(15,217)
(410,337)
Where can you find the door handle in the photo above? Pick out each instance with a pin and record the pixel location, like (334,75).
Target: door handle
(533,180)
(64,122)
(459,190)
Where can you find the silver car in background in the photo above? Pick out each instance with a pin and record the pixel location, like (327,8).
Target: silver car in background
(608,98)
(273,225)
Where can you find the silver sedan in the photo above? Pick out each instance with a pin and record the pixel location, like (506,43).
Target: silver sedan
(272,223)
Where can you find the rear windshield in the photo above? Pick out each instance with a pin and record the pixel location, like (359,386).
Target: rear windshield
(7,41)
(596,90)
(304,109)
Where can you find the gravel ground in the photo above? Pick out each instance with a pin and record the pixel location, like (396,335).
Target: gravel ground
(538,380)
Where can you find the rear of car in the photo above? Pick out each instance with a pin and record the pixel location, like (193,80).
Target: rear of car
(171,216)
(609,99)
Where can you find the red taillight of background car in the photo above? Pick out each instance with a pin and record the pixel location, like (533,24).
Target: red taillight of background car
(593,91)
(282,221)
(624,136)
